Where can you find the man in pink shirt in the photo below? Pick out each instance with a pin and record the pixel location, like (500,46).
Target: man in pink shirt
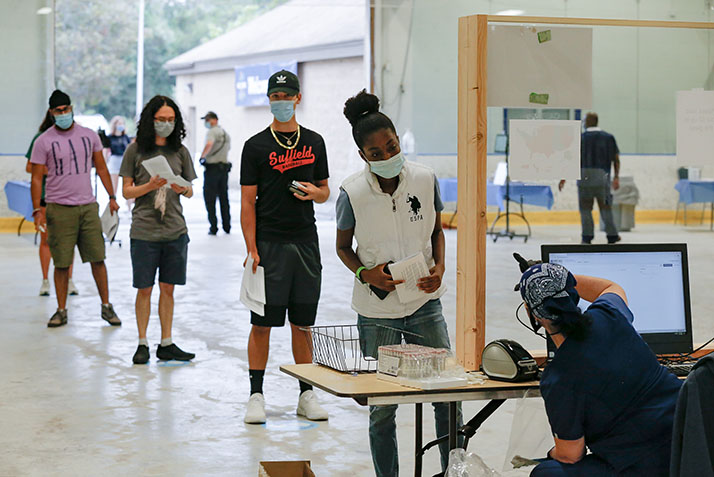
(69,151)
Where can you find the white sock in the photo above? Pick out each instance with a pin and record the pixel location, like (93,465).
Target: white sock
(144,341)
(166,341)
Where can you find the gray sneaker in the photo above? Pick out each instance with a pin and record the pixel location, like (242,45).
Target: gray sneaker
(58,319)
(109,315)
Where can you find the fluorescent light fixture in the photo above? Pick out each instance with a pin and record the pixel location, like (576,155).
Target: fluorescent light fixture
(510,12)
(44,11)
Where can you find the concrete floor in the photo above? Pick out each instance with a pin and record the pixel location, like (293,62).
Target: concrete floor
(72,403)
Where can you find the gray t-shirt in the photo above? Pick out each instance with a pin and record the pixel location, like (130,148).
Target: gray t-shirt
(221,145)
(146,222)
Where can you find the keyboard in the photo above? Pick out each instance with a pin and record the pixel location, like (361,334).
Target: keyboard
(679,369)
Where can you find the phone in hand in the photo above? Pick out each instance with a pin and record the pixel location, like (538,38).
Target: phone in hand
(296,188)
(381,294)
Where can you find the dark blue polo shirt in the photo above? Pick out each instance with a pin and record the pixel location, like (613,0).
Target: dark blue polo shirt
(610,389)
(597,150)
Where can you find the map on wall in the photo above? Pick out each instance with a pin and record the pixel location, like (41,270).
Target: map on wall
(540,67)
(544,149)
(695,128)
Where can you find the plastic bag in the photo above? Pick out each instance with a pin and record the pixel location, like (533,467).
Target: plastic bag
(468,464)
(530,431)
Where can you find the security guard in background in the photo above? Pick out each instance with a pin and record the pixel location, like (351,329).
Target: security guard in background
(215,180)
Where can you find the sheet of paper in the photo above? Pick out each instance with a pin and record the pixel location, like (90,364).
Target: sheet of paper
(159,166)
(695,128)
(542,149)
(252,288)
(411,269)
(499,178)
(110,223)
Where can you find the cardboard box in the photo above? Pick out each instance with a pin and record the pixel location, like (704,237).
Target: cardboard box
(295,468)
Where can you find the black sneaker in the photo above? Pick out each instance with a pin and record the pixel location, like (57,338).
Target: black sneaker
(58,319)
(142,355)
(227,230)
(110,316)
(173,352)
(614,239)
(212,231)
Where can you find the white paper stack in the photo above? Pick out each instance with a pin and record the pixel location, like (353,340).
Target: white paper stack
(252,288)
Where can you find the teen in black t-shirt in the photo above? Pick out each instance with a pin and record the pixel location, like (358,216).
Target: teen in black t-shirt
(281,217)
(280,234)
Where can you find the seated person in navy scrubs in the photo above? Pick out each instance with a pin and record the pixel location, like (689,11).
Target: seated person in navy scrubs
(604,388)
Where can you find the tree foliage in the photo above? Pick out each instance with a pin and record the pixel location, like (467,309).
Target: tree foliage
(96,44)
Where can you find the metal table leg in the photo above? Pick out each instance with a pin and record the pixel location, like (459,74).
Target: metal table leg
(453,408)
(418,424)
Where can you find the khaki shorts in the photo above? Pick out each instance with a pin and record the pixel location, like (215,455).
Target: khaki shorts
(70,225)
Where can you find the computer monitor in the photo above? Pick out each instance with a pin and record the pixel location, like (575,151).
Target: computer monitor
(501,143)
(655,278)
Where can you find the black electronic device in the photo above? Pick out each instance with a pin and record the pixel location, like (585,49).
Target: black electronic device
(296,188)
(506,360)
(381,294)
(655,277)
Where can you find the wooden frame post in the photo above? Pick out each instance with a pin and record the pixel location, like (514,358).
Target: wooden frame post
(471,197)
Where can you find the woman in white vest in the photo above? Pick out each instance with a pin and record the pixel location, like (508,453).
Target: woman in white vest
(392,209)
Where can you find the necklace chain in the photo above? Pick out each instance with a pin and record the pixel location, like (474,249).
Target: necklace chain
(290,145)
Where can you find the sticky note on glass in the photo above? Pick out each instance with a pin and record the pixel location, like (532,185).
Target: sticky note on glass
(543,36)
(538,98)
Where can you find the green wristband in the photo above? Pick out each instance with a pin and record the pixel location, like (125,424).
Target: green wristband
(358,272)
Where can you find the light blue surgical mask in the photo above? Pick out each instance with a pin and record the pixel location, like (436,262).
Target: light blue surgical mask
(120,128)
(163,128)
(388,168)
(64,121)
(282,110)
(207,124)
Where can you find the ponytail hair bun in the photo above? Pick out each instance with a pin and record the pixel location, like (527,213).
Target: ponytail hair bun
(362,111)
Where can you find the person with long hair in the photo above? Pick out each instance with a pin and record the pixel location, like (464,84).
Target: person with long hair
(66,152)
(44,248)
(159,236)
(118,142)
(392,209)
(603,389)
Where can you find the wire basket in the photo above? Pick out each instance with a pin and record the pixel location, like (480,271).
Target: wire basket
(352,348)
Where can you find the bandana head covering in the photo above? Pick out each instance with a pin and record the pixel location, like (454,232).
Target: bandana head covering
(549,291)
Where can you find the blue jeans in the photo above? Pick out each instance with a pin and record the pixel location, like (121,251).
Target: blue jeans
(428,322)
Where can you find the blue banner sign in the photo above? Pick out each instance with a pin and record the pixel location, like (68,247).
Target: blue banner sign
(252,82)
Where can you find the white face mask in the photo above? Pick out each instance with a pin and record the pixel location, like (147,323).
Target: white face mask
(388,168)
(164,128)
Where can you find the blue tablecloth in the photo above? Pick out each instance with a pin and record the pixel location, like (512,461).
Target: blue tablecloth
(691,192)
(19,198)
(532,194)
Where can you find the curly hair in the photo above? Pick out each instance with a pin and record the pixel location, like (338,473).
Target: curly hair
(145,133)
(362,111)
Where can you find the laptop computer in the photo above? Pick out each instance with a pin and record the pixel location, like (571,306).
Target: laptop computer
(655,278)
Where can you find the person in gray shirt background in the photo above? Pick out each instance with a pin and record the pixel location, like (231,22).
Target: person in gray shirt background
(215,179)
(159,236)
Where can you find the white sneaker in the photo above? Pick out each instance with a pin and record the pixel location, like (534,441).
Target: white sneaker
(71,289)
(255,410)
(45,288)
(309,407)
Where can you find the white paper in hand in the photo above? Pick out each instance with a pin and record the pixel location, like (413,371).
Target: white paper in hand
(252,288)
(110,224)
(411,269)
(159,166)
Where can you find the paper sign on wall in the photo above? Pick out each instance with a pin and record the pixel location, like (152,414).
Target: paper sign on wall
(544,149)
(531,68)
(695,128)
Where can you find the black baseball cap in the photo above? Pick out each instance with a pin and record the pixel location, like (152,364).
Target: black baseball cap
(210,115)
(283,82)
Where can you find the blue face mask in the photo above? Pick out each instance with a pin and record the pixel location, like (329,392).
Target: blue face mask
(388,168)
(64,121)
(207,124)
(282,110)
(120,128)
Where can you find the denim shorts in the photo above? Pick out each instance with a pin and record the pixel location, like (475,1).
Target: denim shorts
(170,258)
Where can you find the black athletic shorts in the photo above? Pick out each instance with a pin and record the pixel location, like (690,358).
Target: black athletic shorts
(293,274)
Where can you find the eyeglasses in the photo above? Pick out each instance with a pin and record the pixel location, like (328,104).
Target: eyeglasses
(61,109)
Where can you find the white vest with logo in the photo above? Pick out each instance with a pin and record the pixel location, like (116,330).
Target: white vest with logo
(391,228)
